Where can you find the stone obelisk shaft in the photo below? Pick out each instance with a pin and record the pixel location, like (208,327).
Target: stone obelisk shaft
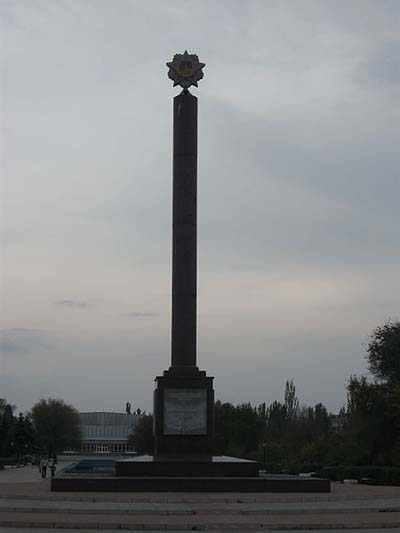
(184,232)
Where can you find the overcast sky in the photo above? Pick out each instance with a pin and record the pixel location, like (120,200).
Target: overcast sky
(298,204)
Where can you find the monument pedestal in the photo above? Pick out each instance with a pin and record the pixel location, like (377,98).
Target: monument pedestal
(186,466)
(184,438)
(183,412)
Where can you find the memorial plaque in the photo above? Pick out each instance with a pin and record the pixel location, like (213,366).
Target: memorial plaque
(185,412)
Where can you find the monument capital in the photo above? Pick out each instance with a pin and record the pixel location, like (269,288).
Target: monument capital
(185,70)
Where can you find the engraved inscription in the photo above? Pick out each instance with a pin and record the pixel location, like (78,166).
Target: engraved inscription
(185,412)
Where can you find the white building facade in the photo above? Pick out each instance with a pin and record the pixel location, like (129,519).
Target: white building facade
(106,432)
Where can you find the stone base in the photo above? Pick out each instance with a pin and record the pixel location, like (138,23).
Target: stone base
(99,483)
(195,473)
(186,465)
(177,432)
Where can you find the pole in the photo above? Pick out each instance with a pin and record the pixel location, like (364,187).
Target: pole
(184,232)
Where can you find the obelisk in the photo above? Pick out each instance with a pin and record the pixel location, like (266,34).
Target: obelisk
(184,233)
(184,396)
(185,457)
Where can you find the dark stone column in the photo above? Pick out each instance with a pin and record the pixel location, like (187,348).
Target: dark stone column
(184,395)
(184,232)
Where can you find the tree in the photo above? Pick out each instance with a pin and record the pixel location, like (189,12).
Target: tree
(383,353)
(57,426)
(371,424)
(277,418)
(7,425)
(291,400)
(24,435)
(373,410)
(238,429)
(322,419)
(142,438)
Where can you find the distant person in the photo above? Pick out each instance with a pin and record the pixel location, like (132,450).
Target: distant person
(44,467)
(52,467)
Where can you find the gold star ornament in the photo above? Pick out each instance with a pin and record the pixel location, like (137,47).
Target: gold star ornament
(185,70)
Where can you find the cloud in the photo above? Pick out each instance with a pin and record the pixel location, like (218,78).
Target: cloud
(139,314)
(8,346)
(383,66)
(72,304)
(298,192)
(23,341)
(19,330)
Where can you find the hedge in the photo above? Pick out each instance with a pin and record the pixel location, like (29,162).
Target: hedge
(377,475)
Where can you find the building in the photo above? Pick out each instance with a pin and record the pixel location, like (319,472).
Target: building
(106,432)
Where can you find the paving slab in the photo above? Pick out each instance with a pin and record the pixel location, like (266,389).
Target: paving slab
(49,506)
(199,522)
(26,481)
(45,504)
(62,530)
(30,505)
(24,474)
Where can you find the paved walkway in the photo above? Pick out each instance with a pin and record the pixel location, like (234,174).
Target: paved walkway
(62,530)
(20,475)
(26,503)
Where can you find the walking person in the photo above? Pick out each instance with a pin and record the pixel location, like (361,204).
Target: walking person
(44,467)
(52,467)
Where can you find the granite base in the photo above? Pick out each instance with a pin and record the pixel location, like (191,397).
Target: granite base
(190,465)
(103,483)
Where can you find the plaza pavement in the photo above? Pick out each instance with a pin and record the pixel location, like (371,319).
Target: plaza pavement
(26,503)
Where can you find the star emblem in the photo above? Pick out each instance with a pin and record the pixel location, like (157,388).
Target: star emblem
(185,70)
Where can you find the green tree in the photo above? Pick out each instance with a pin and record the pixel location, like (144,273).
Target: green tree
(57,426)
(383,353)
(373,410)
(7,425)
(296,435)
(24,435)
(322,419)
(277,418)
(291,400)
(374,415)
(239,429)
(142,438)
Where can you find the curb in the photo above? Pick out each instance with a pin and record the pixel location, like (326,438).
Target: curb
(196,527)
